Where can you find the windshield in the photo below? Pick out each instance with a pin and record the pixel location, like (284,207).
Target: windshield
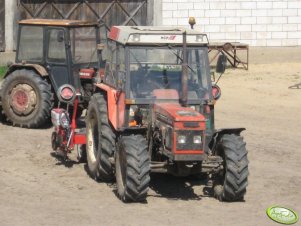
(156,73)
(83,45)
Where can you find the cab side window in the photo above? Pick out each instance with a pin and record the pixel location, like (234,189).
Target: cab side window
(121,67)
(109,54)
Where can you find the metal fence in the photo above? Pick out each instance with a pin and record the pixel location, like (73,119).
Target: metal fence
(2,25)
(108,12)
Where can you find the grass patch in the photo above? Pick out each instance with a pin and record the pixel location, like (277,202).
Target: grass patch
(3,70)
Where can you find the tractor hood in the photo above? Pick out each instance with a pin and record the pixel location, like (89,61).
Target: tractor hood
(173,112)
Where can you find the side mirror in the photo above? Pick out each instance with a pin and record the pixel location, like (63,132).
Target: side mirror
(221,64)
(60,36)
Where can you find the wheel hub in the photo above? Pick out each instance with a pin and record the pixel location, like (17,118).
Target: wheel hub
(23,99)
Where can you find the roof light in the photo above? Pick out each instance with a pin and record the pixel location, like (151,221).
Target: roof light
(191,22)
(136,38)
(199,38)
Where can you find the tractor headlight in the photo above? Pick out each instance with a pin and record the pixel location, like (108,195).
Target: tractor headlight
(197,139)
(66,93)
(181,139)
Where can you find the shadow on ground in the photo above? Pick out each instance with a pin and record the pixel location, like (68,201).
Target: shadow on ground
(63,160)
(170,187)
(295,86)
(162,185)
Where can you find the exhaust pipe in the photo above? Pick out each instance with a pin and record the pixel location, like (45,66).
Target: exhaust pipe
(184,72)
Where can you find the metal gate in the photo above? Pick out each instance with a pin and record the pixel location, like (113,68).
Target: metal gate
(2,25)
(108,12)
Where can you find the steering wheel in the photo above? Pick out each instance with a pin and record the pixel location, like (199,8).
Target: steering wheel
(200,91)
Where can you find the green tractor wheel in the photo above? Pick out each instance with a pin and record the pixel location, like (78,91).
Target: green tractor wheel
(26,99)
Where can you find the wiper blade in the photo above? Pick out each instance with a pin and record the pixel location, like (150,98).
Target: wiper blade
(178,57)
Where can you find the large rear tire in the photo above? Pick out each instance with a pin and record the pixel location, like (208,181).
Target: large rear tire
(231,186)
(26,99)
(100,140)
(132,168)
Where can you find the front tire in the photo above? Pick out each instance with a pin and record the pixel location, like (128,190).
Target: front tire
(26,99)
(231,186)
(100,140)
(132,168)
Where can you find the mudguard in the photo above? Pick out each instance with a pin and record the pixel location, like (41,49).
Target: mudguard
(38,68)
(219,133)
(116,106)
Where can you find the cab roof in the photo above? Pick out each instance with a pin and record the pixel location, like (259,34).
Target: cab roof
(155,35)
(59,22)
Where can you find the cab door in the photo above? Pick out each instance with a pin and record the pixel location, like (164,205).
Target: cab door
(57,57)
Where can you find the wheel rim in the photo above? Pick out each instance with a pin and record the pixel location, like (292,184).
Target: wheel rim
(92,138)
(122,163)
(23,99)
(120,173)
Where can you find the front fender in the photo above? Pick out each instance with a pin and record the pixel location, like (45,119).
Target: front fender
(116,106)
(36,67)
(219,133)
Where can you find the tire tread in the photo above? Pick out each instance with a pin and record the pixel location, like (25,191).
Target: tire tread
(236,175)
(44,89)
(137,168)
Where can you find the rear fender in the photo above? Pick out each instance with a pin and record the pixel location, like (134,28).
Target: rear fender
(36,67)
(219,133)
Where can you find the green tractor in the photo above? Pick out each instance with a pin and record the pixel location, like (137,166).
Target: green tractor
(49,53)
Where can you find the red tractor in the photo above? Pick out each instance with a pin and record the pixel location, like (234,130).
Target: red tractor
(153,111)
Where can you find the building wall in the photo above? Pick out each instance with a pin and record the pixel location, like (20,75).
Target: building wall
(10,28)
(2,25)
(257,22)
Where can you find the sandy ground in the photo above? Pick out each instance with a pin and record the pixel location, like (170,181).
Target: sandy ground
(36,189)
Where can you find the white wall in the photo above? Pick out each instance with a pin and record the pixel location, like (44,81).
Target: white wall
(257,22)
(9,24)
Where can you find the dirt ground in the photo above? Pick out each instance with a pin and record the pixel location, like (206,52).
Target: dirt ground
(36,189)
